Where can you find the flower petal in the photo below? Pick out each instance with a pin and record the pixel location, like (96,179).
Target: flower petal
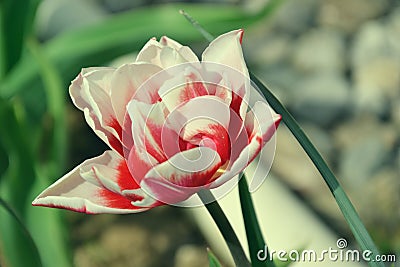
(203,121)
(148,123)
(262,121)
(90,92)
(126,81)
(186,83)
(226,50)
(87,188)
(182,175)
(260,124)
(165,53)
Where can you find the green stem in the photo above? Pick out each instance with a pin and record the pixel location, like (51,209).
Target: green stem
(225,228)
(350,214)
(255,239)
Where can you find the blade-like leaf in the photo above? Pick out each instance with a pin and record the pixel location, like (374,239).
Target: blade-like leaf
(122,34)
(16,22)
(55,96)
(16,244)
(224,226)
(17,144)
(48,229)
(255,238)
(360,233)
(47,225)
(212,259)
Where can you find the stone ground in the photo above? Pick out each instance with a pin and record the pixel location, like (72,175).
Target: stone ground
(336,65)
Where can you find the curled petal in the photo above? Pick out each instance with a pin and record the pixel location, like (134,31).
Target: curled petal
(261,124)
(182,175)
(87,188)
(262,121)
(90,92)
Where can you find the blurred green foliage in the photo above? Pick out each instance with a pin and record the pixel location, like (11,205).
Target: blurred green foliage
(33,132)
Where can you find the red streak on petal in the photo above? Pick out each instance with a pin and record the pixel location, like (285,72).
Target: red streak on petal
(156,151)
(192,90)
(114,200)
(259,140)
(125,179)
(194,179)
(115,144)
(236,102)
(241,32)
(115,124)
(219,136)
(138,167)
(113,140)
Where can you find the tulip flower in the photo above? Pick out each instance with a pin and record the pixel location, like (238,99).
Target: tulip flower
(174,125)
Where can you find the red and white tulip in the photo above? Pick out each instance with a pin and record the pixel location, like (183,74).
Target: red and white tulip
(175,125)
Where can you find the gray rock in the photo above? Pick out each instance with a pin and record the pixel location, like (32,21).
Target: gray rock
(321,98)
(393,28)
(190,255)
(271,50)
(281,80)
(294,16)
(372,42)
(320,50)
(366,145)
(348,15)
(376,68)
(359,162)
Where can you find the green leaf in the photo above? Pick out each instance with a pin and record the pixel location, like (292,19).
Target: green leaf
(16,18)
(56,98)
(222,222)
(48,229)
(360,233)
(212,259)
(122,34)
(254,235)
(19,249)
(20,174)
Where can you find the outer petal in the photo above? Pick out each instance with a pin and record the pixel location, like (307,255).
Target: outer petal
(90,92)
(93,194)
(184,51)
(226,50)
(126,81)
(165,54)
(182,175)
(261,124)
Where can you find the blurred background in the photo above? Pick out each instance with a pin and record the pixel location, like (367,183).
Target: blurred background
(335,64)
